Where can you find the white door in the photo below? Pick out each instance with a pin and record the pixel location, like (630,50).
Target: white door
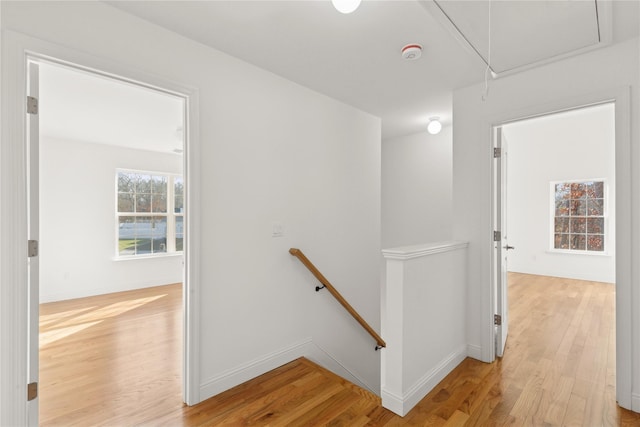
(33,236)
(501,245)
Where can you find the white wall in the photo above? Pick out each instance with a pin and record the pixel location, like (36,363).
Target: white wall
(77,221)
(424,320)
(270,150)
(416,189)
(603,73)
(566,146)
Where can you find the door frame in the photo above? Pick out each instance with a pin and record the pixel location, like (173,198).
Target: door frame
(17,50)
(621,97)
(500,250)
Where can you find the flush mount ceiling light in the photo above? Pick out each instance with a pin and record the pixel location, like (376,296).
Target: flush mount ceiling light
(411,52)
(434,127)
(346,6)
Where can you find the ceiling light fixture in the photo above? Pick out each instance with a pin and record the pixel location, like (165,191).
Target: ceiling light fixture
(346,6)
(434,127)
(411,52)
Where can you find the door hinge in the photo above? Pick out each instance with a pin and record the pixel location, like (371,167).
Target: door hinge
(33,248)
(32,391)
(497,236)
(32,105)
(497,152)
(497,319)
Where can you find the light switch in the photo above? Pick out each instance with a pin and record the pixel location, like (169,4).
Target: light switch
(277,230)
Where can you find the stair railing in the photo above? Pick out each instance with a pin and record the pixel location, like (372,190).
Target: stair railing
(325,284)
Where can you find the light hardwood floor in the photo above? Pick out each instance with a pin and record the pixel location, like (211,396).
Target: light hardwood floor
(111,360)
(115,360)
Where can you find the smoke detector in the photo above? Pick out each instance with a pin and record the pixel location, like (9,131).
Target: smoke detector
(411,52)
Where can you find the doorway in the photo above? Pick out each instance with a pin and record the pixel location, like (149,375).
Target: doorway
(95,132)
(560,202)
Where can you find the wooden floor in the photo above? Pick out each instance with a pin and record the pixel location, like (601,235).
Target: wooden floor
(111,360)
(116,362)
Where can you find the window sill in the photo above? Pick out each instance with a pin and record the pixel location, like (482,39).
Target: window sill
(570,252)
(151,256)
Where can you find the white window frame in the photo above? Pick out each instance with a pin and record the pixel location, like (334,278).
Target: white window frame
(605,216)
(170,215)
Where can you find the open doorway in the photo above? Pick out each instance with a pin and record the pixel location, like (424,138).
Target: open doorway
(559,195)
(111,214)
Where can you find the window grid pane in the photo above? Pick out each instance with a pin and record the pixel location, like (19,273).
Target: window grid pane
(142,206)
(179,232)
(579,216)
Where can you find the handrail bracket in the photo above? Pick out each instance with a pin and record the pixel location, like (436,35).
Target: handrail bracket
(325,284)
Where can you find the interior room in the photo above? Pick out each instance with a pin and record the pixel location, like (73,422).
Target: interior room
(90,128)
(571,146)
(101,142)
(341,246)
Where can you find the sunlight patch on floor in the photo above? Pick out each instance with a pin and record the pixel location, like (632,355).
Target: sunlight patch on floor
(56,326)
(56,334)
(47,319)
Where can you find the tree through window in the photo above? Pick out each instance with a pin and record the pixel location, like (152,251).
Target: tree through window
(150,213)
(579,216)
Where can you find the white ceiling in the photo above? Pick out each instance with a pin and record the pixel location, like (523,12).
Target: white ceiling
(354,58)
(524,33)
(78,106)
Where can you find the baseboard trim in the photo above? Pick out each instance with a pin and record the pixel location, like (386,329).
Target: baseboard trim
(474,351)
(394,403)
(84,293)
(635,402)
(323,358)
(402,405)
(247,371)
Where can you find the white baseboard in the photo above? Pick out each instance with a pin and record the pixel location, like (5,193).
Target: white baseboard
(320,356)
(401,405)
(81,292)
(247,371)
(394,403)
(474,351)
(635,402)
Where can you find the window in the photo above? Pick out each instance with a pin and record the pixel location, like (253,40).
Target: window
(150,213)
(579,216)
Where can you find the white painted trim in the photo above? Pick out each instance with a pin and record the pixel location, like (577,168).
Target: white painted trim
(268,362)
(254,368)
(402,405)
(605,216)
(13,235)
(393,402)
(574,252)
(474,351)
(87,292)
(13,221)
(624,223)
(418,251)
(150,256)
(323,358)
(431,379)
(635,402)
(192,261)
